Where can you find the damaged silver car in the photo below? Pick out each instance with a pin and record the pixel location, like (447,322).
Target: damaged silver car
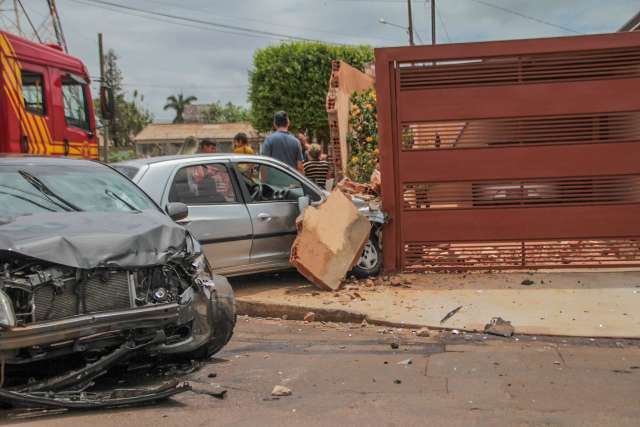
(89,264)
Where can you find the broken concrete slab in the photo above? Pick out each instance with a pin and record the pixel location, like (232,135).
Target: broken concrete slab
(500,327)
(280,390)
(330,240)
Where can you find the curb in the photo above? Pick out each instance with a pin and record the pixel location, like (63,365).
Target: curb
(262,309)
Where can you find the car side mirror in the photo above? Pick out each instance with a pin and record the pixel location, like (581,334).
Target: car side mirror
(177,211)
(106,103)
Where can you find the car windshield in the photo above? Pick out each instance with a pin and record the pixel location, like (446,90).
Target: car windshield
(29,189)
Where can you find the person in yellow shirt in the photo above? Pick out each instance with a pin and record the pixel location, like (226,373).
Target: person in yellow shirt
(241,144)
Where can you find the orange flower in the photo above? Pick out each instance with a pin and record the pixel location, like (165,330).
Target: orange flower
(369,139)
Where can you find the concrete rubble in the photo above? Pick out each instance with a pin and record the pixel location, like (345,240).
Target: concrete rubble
(281,390)
(499,326)
(330,240)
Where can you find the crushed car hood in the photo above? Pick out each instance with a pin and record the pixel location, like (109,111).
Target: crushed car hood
(89,239)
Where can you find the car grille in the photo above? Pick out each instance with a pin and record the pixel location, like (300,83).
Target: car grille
(101,293)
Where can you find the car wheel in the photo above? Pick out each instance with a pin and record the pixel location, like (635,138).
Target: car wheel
(370,262)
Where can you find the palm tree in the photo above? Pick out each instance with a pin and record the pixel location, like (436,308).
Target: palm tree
(178,103)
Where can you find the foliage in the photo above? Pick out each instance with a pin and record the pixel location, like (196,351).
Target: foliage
(121,155)
(177,103)
(227,113)
(294,77)
(363,136)
(130,116)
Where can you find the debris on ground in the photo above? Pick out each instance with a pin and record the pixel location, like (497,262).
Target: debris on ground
(396,281)
(92,400)
(310,317)
(330,240)
(394,345)
(281,390)
(213,390)
(423,332)
(405,362)
(450,314)
(527,282)
(362,191)
(397,382)
(500,327)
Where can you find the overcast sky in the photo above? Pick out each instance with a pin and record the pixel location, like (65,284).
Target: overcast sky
(161,56)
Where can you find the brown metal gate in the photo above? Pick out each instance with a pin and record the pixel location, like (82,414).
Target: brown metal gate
(512,154)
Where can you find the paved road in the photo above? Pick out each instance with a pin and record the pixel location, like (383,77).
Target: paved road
(348,375)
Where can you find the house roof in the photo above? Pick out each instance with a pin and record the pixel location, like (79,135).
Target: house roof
(164,133)
(632,24)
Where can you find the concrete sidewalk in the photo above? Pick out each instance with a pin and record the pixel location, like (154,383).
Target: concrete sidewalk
(582,304)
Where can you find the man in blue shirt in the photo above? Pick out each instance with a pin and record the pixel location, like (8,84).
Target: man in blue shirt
(281,145)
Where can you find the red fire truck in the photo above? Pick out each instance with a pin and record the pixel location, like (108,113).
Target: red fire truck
(45,101)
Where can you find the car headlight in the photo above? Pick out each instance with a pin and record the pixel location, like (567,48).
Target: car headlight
(7,315)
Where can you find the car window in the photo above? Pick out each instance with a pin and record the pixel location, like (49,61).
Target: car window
(30,189)
(33,92)
(203,184)
(266,183)
(75,103)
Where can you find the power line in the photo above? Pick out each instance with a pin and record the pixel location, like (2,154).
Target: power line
(530,18)
(180,24)
(29,20)
(482,2)
(313,30)
(216,26)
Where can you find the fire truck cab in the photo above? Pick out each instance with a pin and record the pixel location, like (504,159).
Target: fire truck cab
(45,101)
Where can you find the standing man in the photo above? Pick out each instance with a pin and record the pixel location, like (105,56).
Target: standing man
(281,145)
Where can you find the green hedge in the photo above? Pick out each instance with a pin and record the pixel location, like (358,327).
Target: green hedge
(294,76)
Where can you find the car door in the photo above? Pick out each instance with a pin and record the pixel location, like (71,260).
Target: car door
(272,196)
(74,130)
(218,217)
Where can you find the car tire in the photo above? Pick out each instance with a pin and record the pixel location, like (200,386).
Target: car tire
(370,263)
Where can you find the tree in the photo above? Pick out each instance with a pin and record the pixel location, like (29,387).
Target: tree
(177,103)
(227,113)
(130,116)
(294,76)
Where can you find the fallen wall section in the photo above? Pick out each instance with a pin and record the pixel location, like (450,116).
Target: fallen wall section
(330,241)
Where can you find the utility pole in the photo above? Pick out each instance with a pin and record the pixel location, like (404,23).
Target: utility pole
(105,123)
(410,27)
(433,21)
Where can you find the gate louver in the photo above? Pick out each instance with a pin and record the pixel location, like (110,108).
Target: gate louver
(517,154)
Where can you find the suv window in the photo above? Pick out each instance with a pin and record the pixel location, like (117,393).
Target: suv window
(265,183)
(33,92)
(204,184)
(75,103)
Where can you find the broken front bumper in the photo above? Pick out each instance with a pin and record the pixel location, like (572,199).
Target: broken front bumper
(73,328)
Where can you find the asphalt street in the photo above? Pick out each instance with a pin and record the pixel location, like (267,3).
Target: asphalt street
(341,374)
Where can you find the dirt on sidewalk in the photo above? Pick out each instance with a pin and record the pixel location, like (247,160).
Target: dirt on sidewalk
(582,304)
